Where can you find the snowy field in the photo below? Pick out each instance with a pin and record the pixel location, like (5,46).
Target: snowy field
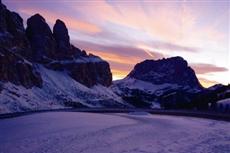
(72,132)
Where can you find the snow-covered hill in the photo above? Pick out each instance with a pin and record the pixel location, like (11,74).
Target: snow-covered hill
(58,90)
(41,69)
(169,83)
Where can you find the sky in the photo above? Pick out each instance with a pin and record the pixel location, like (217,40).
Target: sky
(127,32)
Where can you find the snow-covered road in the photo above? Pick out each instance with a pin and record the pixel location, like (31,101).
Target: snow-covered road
(72,132)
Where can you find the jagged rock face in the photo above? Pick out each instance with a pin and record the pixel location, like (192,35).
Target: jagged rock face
(91,74)
(13,45)
(85,70)
(173,70)
(12,32)
(64,49)
(15,69)
(2,17)
(38,44)
(40,37)
(60,33)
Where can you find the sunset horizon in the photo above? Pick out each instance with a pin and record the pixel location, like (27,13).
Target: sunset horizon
(126,33)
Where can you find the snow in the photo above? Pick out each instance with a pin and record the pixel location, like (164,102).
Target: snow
(224,101)
(131,83)
(25,61)
(105,92)
(157,89)
(72,132)
(58,87)
(91,59)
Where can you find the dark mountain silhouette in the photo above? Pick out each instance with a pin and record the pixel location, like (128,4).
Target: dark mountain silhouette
(153,83)
(173,70)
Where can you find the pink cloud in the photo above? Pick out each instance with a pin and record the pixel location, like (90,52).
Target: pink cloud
(207,68)
(72,23)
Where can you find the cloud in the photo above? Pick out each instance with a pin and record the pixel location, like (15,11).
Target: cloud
(171,46)
(130,52)
(121,58)
(121,35)
(71,22)
(207,68)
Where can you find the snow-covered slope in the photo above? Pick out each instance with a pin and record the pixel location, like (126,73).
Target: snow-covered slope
(149,94)
(169,82)
(224,102)
(58,89)
(131,83)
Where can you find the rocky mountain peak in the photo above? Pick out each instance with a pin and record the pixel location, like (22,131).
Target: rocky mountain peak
(61,35)
(36,18)
(174,70)
(40,37)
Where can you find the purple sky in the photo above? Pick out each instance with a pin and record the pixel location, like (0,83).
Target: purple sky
(127,32)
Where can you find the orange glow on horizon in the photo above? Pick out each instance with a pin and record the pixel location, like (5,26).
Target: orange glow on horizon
(118,74)
(207,83)
(116,58)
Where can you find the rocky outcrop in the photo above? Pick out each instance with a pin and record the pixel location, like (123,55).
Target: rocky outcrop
(12,32)
(91,74)
(17,70)
(41,38)
(64,49)
(55,52)
(173,70)
(61,35)
(88,70)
